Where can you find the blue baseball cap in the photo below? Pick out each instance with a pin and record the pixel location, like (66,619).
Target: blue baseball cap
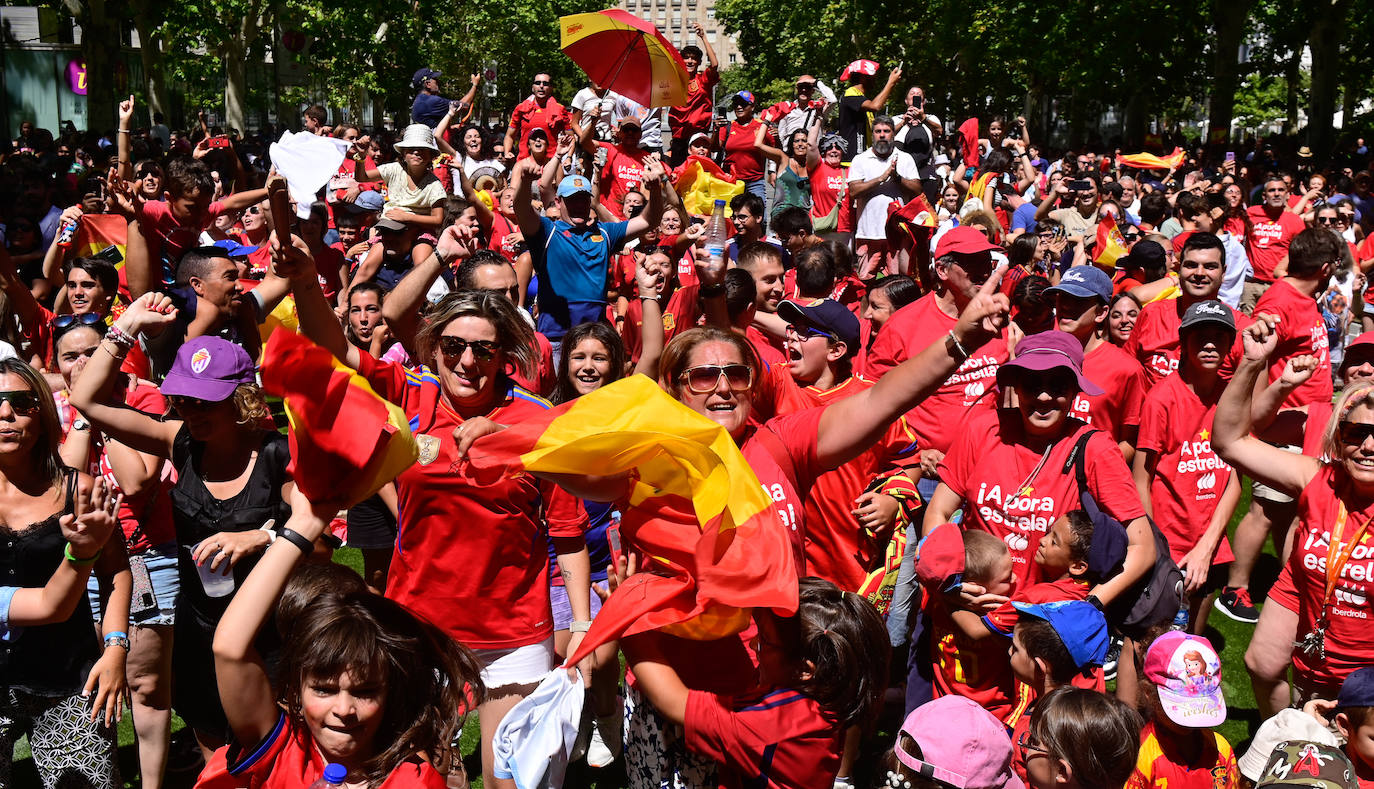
(743,96)
(419,77)
(1357,690)
(573,184)
(827,315)
(1085,282)
(1081,627)
(234,249)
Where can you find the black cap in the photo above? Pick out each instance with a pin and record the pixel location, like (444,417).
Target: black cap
(1206,312)
(1145,254)
(825,314)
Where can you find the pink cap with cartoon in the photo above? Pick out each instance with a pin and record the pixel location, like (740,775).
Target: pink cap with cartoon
(1187,672)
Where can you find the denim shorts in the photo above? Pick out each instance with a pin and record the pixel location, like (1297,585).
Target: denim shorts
(161,561)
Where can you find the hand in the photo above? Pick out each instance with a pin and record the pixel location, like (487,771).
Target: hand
(527,169)
(1195,565)
(894,75)
(1297,370)
(202,148)
(1321,709)
(456,243)
(507,156)
(986,314)
(120,197)
(351,196)
(453,107)
(1261,337)
(476,78)
(398,214)
(126,112)
(565,145)
(976,598)
(471,430)
(877,513)
(930,463)
(1061,189)
(292,260)
(648,278)
(151,310)
(697,30)
(652,173)
(616,573)
(708,271)
(93,518)
(694,233)
(107,680)
(228,548)
(891,169)
(70,214)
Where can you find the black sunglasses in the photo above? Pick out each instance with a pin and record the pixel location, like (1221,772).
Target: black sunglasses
(1355,433)
(453,347)
(22,401)
(184,403)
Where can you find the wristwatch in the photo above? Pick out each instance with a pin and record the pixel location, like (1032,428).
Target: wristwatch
(80,424)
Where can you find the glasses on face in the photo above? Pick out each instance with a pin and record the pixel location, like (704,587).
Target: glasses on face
(1028,743)
(1326,220)
(542,82)
(705,378)
(805,332)
(184,403)
(252,210)
(1130,236)
(1056,386)
(454,347)
(806,86)
(1355,433)
(22,401)
(67,321)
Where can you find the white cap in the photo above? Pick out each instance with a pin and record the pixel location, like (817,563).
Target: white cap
(1289,724)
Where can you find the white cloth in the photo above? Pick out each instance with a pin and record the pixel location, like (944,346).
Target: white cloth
(535,739)
(1237,269)
(586,99)
(873,206)
(307,162)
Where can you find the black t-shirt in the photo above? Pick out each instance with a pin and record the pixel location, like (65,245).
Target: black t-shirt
(853,124)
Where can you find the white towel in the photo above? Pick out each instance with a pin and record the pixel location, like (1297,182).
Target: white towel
(307,162)
(536,737)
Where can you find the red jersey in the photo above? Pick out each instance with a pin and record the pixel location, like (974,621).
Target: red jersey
(463,547)
(773,740)
(695,115)
(168,239)
(766,347)
(1189,477)
(977,669)
(287,758)
(327,265)
(1123,388)
(1314,428)
(1235,225)
(742,159)
(1155,340)
(1161,764)
(1178,242)
(834,544)
(529,115)
(1365,250)
(624,171)
(1301,331)
(782,454)
(1268,241)
(146,516)
(910,331)
(828,184)
(1017,493)
(682,312)
(1301,586)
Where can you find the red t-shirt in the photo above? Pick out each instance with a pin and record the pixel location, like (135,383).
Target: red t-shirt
(742,159)
(624,171)
(1365,250)
(772,740)
(977,669)
(1301,586)
(1155,340)
(827,184)
(1268,240)
(463,547)
(1017,493)
(529,115)
(682,312)
(545,377)
(1301,331)
(1235,226)
(766,347)
(834,544)
(145,517)
(1123,385)
(327,265)
(910,331)
(1314,428)
(695,115)
(1179,241)
(1161,763)
(287,758)
(167,238)
(782,454)
(1189,477)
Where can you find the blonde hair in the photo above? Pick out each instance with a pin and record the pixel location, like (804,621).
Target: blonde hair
(673,363)
(1357,394)
(513,333)
(250,404)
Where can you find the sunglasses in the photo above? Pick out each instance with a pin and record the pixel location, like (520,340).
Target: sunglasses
(62,322)
(1131,236)
(542,82)
(454,347)
(1355,433)
(184,403)
(252,210)
(705,378)
(806,86)
(1055,386)
(1327,220)
(22,401)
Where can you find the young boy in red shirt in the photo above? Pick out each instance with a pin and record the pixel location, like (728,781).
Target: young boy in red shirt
(1355,719)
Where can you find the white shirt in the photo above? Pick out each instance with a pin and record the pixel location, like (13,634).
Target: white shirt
(873,206)
(586,99)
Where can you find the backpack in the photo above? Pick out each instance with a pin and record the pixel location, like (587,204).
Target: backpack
(1155,598)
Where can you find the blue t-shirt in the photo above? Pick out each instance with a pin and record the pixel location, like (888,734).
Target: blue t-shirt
(429,109)
(572,265)
(8,633)
(1023,218)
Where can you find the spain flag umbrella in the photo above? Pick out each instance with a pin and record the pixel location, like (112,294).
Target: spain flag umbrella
(621,52)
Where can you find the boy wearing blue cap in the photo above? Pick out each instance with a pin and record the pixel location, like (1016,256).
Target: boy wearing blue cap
(1355,720)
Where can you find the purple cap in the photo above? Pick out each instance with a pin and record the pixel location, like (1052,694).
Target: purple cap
(208,368)
(827,315)
(1048,350)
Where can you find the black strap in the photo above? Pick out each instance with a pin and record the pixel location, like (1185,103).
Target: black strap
(69,479)
(1078,462)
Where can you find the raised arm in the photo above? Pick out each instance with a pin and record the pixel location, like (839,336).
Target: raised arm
(653,212)
(523,203)
(706,47)
(124,145)
(401,310)
(776,154)
(651,331)
(852,425)
(318,320)
(879,101)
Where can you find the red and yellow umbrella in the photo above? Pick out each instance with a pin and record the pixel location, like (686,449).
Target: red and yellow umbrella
(626,54)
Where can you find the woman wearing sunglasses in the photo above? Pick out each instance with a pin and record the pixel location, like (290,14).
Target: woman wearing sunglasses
(232,484)
(62,688)
(462,545)
(1318,611)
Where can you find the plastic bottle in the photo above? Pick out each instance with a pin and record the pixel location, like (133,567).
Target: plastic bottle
(717,234)
(66,234)
(217,583)
(333,778)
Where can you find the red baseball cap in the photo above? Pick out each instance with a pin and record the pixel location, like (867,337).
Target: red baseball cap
(940,557)
(964,240)
(1359,349)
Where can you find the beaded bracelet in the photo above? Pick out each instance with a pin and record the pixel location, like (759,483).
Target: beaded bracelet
(117,336)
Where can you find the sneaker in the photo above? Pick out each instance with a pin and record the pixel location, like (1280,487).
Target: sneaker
(1234,601)
(600,752)
(1113,656)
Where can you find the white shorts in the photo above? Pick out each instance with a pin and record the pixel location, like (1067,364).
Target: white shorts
(517,665)
(1263,491)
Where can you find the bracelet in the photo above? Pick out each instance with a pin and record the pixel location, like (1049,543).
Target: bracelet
(123,131)
(117,638)
(1093,600)
(78,562)
(579,627)
(299,540)
(957,345)
(117,336)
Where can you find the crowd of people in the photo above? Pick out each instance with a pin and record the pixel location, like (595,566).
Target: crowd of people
(1003,400)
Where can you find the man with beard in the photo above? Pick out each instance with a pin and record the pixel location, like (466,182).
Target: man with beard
(878,176)
(1272,229)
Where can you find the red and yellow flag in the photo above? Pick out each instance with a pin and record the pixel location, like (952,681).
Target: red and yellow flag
(714,545)
(701,183)
(346,441)
(968,142)
(1110,244)
(1148,161)
(910,223)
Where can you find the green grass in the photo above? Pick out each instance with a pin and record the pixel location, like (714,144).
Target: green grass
(1228,636)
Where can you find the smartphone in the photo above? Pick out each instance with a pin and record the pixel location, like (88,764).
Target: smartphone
(1230,156)
(1080,185)
(218,142)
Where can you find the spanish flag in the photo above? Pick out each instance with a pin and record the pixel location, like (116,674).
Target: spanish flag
(714,546)
(1148,161)
(1110,245)
(346,441)
(96,233)
(911,223)
(701,183)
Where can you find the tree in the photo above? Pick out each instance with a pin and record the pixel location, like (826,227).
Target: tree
(100,39)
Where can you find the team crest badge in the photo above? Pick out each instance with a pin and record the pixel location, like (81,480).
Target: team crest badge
(200,360)
(429,449)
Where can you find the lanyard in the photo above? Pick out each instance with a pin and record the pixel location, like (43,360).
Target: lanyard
(1337,556)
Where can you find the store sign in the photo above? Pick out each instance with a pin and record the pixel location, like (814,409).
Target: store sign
(76,77)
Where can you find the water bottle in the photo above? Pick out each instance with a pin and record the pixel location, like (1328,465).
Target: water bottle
(1181,618)
(717,234)
(333,778)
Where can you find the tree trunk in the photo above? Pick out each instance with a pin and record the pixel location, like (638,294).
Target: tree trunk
(1324,41)
(1291,76)
(236,72)
(1228,23)
(100,47)
(150,52)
